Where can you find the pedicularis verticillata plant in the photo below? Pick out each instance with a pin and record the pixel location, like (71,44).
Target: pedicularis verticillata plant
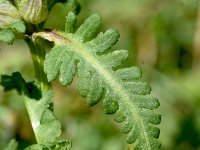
(76,52)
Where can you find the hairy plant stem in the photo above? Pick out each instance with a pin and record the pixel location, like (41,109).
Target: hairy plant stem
(37,51)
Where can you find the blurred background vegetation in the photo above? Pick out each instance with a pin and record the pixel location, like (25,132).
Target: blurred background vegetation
(163,37)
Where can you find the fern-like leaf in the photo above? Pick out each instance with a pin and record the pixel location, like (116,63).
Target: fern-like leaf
(120,90)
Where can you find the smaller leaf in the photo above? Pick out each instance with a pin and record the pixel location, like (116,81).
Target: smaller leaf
(70,22)
(7,36)
(18,26)
(52,130)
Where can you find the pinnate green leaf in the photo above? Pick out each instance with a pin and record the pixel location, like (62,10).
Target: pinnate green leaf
(121,91)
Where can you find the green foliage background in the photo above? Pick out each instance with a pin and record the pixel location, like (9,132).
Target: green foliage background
(162,38)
